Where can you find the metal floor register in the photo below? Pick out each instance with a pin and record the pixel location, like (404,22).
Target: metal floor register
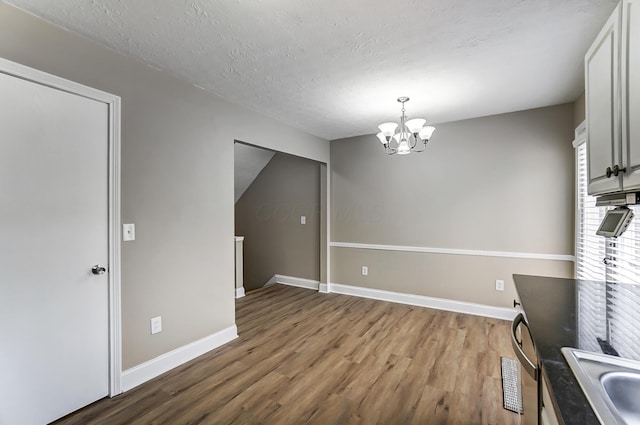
(511,385)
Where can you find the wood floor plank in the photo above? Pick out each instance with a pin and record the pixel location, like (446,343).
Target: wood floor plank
(434,407)
(493,413)
(448,351)
(335,410)
(308,358)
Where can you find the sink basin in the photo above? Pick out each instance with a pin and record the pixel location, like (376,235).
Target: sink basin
(611,384)
(623,390)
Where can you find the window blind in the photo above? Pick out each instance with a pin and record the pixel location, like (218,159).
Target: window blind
(615,315)
(590,251)
(623,301)
(591,316)
(590,248)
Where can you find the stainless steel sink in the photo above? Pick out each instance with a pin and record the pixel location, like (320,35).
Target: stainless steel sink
(611,384)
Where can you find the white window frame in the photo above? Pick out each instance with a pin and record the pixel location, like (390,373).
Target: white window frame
(613,316)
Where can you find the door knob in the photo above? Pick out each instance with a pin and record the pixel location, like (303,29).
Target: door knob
(98,269)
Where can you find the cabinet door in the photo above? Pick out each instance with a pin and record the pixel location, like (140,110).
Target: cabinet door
(547,414)
(602,107)
(631,93)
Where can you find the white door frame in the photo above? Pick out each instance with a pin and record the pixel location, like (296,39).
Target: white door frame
(113,104)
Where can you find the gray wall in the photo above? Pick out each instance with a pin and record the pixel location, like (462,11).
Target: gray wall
(499,183)
(268,216)
(177,182)
(579,111)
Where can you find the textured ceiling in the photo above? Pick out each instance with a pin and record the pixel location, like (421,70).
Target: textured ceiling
(334,68)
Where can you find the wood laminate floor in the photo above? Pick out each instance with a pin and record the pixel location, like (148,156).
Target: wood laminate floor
(309,358)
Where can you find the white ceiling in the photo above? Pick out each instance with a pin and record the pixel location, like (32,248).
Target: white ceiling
(334,68)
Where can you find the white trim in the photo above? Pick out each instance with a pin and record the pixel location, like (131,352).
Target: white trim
(580,138)
(31,74)
(148,370)
(580,134)
(429,302)
(239,238)
(295,281)
(240,292)
(115,228)
(505,254)
(328,227)
(402,298)
(115,236)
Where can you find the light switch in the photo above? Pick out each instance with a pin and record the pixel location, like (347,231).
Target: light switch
(303,219)
(156,325)
(128,232)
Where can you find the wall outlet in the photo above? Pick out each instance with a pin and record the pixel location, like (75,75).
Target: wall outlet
(365,270)
(499,285)
(303,219)
(156,325)
(128,232)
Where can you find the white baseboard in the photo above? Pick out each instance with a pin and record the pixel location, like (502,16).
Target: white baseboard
(296,281)
(239,292)
(148,370)
(398,297)
(423,301)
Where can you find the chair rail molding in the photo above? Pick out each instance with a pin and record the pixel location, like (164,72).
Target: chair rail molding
(453,251)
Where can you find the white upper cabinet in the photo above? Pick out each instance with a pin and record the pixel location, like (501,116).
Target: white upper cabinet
(630,87)
(602,97)
(612,97)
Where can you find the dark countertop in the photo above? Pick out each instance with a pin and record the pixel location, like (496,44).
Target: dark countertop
(549,306)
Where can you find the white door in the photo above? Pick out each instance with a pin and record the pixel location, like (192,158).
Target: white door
(54,335)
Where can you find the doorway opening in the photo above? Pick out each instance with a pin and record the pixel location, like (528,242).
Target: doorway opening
(280,219)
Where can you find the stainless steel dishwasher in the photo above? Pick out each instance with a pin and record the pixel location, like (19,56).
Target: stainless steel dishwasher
(529,372)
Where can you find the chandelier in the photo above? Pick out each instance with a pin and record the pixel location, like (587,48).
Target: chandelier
(410,133)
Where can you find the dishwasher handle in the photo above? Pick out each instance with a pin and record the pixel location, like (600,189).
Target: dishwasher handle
(528,365)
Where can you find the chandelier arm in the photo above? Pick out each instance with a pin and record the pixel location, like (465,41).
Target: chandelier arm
(415,141)
(424,147)
(393,140)
(390,151)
